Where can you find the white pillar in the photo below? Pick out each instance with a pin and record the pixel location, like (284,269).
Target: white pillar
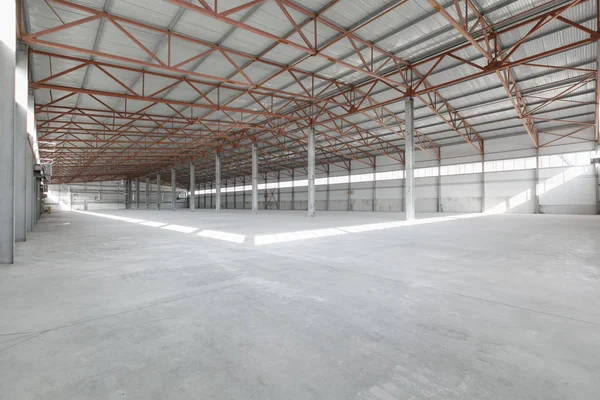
(217,183)
(192,198)
(137,194)
(158,192)
(147,194)
(536,183)
(21,145)
(173,191)
(409,160)
(439,183)
(311,172)
(7,149)
(483,195)
(254,178)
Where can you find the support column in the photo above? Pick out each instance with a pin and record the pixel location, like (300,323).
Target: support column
(327,195)
(192,199)
(536,183)
(234,193)
(254,178)
(266,194)
(293,192)
(147,193)
(7,137)
(409,160)
(311,172)
(158,192)
(483,183)
(173,191)
(244,192)
(217,183)
(374,183)
(128,194)
(30,188)
(21,145)
(137,194)
(349,191)
(439,183)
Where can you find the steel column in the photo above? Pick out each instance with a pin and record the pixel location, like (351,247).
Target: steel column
(327,195)
(217,183)
(439,183)
(173,190)
(21,145)
(137,194)
(293,207)
(374,183)
(147,193)
(536,183)
(483,183)
(7,137)
(409,157)
(158,192)
(311,172)
(254,178)
(192,199)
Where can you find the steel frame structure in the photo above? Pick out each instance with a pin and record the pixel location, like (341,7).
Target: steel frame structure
(119,133)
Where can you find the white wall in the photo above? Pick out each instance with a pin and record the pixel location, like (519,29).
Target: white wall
(564,189)
(95,196)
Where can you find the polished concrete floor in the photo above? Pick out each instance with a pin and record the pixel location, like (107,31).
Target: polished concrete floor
(491,307)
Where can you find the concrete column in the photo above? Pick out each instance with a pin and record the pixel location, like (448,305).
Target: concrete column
(137,194)
(597,166)
(409,159)
(254,178)
(374,183)
(21,145)
(536,182)
(327,195)
(293,192)
(226,205)
(211,196)
(147,193)
(173,190)
(192,187)
(244,192)
(158,192)
(234,194)
(266,194)
(439,183)
(218,183)
(32,133)
(349,191)
(129,194)
(29,189)
(483,183)
(311,172)
(7,137)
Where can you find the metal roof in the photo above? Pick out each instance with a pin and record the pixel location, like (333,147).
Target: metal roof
(125,89)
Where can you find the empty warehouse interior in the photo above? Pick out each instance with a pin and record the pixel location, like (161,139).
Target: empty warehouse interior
(283,199)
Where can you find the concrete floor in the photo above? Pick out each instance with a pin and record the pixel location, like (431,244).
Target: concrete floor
(496,307)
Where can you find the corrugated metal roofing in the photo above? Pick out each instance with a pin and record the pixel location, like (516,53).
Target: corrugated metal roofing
(263,84)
